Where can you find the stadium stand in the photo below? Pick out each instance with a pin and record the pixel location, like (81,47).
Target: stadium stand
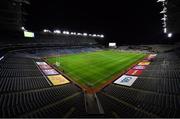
(23,87)
(58,51)
(47,40)
(24,91)
(155,92)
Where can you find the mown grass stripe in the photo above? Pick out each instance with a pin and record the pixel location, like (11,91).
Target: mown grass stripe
(95,68)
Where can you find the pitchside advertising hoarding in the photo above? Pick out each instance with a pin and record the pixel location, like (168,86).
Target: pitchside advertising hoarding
(126,80)
(45,67)
(138,67)
(134,72)
(130,77)
(50,72)
(58,80)
(41,63)
(144,63)
(151,57)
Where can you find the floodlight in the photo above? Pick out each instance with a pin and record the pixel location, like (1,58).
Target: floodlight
(64,32)
(57,31)
(170,35)
(84,34)
(94,35)
(164,26)
(46,31)
(165,16)
(161,0)
(165,30)
(164,23)
(164,19)
(79,34)
(102,36)
(23,28)
(164,10)
(67,32)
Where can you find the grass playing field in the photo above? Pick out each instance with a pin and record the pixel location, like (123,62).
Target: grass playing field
(95,68)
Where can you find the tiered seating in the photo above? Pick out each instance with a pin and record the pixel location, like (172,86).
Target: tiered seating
(21,83)
(59,51)
(72,107)
(156,91)
(65,40)
(160,85)
(62,40)
(17,104)
(24,91)
(161,76)
(17,73)
(117,108)
(155,103)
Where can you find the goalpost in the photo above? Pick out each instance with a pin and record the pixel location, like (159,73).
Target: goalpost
(57,60)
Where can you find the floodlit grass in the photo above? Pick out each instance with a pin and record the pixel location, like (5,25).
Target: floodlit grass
(95,68)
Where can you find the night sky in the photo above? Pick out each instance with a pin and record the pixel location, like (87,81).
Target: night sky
(122,21)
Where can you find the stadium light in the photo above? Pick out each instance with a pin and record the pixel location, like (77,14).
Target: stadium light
(94,35)
(23,28)
(72,33)
(98,35)
(161,0)
(79,34)
(164,19)
(66,32)
(164,25)
(57,31)
(84,34)
(165,16)
(102,36)
(46,31)
(170,35)
(164,10)
(165,30)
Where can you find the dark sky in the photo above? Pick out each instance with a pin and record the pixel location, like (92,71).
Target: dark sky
(120,20)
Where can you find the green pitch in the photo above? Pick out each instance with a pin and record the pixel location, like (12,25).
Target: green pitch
(95,68)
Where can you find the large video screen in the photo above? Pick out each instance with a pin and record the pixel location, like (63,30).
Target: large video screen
(112,44)
(28,34)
